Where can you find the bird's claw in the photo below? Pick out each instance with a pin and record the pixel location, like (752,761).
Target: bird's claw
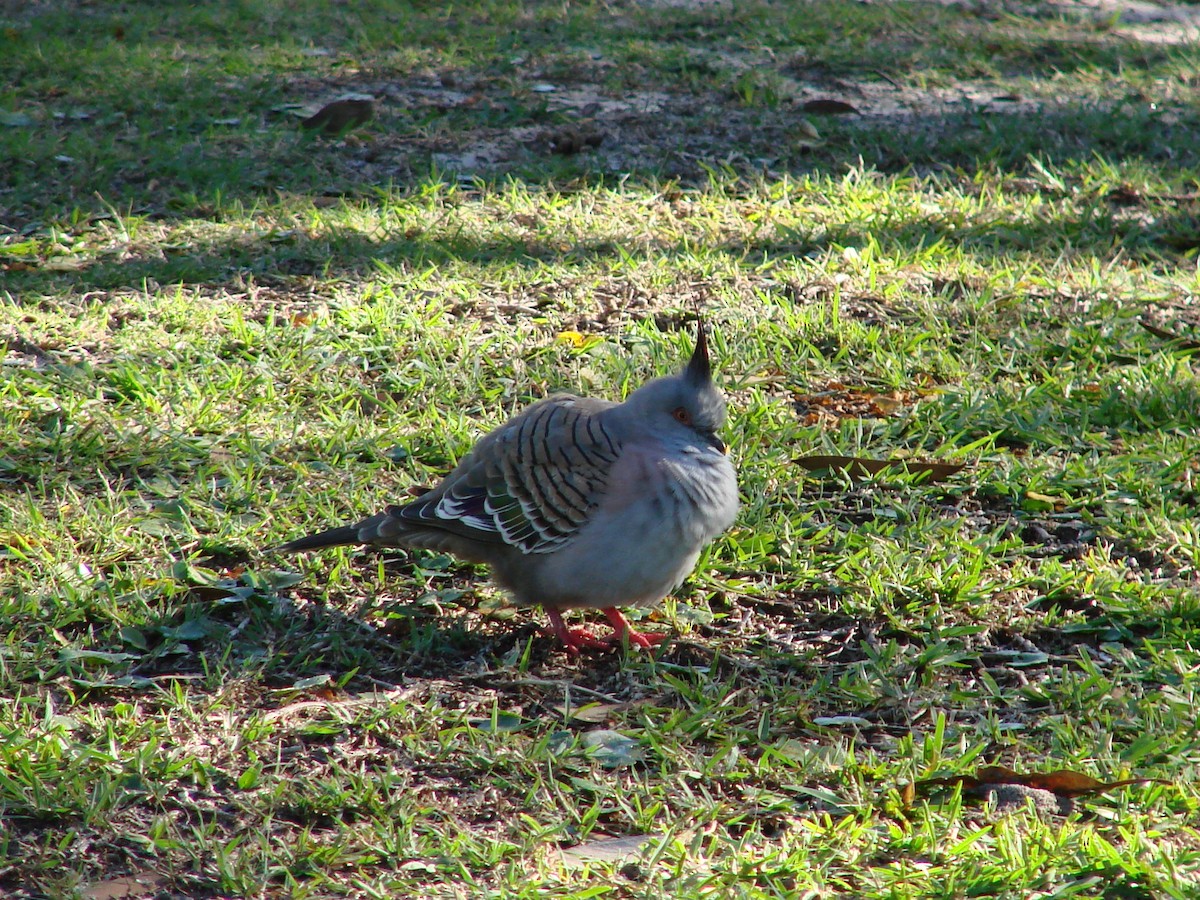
(642,639)
(623,630)
(575,640)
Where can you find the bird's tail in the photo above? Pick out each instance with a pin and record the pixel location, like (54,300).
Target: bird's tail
(334,537)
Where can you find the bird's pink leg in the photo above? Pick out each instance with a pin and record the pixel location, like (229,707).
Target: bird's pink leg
(622,629)
(574,639)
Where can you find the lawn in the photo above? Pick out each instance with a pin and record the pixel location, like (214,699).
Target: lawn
(919,232)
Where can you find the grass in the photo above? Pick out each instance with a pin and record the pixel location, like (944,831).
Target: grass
(222,332)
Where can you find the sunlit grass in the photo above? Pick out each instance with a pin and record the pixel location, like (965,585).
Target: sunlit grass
(221,333)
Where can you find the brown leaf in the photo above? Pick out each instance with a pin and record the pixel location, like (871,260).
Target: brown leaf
(1063,782)
(1181,343)
(125,887)
(887,406)
(968,782)
(824,106)
(860,468)
(340,116)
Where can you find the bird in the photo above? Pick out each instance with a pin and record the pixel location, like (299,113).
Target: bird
(580,502)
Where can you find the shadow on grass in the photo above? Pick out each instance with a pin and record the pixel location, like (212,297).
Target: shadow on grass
(177,127)
(1166,238)
(289,637)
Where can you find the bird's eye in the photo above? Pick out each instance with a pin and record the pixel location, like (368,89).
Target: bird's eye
(682,415)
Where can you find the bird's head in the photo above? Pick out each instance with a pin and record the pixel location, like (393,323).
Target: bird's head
(686,401)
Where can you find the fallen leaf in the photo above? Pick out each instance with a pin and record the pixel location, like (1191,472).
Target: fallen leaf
(808,130)
(968,782)
(606,849)
(94,656)
(276,579)
(577,340)
(220,594)
(1062,782)
(428,867)
(123,682)
(574,338)
(589,713)
(64,263)
(860,468)
(188,630)
(124,887)
(611,749)
(1035,501)
(888,406)
(15,119)
(134,637)
(837,721)
(1182,343)
(823,106)
(1019,658)
(499,722)
(340,116)
(311,682)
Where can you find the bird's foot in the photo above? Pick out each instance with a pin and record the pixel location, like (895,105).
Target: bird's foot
(574,639)
(622,630)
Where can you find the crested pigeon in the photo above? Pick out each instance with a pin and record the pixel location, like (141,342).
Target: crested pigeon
(579,502)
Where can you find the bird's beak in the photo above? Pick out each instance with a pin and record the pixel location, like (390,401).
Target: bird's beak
(721,446)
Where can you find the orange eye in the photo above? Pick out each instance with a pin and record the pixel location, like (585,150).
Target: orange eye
(682,415)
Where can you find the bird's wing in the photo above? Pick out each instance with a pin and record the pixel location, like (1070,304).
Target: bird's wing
(531,484)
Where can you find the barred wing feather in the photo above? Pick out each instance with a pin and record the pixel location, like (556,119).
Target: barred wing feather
(532,484)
